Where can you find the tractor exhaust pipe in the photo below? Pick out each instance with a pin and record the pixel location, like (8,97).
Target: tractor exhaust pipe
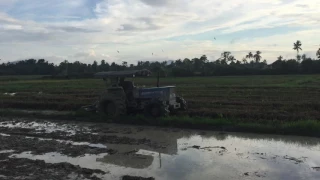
(158,79)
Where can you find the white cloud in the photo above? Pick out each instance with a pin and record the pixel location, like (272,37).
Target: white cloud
(139,28)
(10,27)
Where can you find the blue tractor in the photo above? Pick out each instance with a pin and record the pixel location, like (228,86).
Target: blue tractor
(123,97)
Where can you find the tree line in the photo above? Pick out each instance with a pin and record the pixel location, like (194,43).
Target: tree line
(227,64)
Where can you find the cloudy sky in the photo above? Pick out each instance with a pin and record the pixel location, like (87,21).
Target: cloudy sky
(88,30)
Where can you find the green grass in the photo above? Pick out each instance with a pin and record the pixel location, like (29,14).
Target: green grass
(34,84)
(281,103)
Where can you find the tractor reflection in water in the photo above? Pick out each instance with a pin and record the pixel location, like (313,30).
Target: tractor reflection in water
(122,97)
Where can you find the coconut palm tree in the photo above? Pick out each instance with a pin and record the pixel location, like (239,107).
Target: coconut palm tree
(249,56)
(244,60)
(297,46)
(318,53)
(257,56)
(280,58)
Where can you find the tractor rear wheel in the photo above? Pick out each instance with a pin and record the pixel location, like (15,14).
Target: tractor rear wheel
(113,107)
(156,109)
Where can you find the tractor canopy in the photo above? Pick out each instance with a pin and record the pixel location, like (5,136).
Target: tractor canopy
(130,73)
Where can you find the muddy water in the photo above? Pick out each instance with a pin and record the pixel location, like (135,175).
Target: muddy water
(181,154)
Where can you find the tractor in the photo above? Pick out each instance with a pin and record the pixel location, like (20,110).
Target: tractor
(122,97)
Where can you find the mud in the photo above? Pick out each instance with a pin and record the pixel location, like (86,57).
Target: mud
(37,169)
(38,149)
(81,137)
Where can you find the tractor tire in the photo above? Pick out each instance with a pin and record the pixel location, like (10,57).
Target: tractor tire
(156,109)
(113,107)
(183,103)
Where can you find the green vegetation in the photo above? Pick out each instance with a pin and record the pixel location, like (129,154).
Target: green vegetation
(275,103)
(227,64)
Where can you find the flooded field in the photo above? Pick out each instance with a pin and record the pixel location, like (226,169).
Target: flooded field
(40,149)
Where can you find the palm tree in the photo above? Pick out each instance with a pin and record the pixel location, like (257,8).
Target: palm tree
(297,46)
(225,56)
(318,53)
(249,56)
(257,56)
(304,57)
(244,60)
(280,58)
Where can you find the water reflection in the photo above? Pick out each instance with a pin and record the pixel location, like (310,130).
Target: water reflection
(246,156)
(137,161)
(190,155)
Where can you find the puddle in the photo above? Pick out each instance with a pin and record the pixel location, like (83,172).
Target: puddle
(6,151)
(209,156)
(86,161)
(90,145)
(45,127)
(9,94)
(73,143)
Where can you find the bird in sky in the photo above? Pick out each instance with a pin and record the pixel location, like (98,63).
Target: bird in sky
(118,52)
(214,38)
